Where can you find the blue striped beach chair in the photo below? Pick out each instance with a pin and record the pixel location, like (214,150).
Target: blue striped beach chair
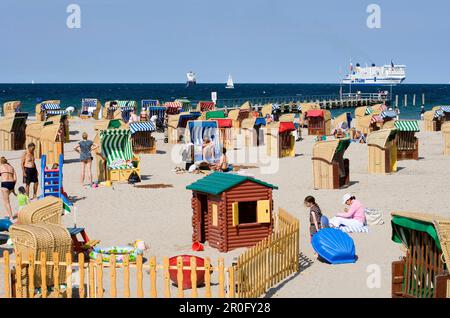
(141,137)
(90,108)
(145,106)
(200,129)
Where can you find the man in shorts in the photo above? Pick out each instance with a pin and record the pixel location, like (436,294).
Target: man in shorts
(30,173)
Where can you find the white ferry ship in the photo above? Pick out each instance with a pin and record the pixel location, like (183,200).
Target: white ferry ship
(376,75)
(191,79)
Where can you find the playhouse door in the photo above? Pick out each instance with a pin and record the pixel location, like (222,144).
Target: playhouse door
(203,214)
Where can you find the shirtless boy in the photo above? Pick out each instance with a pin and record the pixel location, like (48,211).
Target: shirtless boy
(30,173)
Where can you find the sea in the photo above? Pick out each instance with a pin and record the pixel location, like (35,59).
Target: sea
(71,94)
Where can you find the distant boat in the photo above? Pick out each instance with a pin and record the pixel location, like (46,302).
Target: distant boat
(230,83)
(32,81)
(191,79)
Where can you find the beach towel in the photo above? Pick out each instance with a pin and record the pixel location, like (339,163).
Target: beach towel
(354,229)
(374,217)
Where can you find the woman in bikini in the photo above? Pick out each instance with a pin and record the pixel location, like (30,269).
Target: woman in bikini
(8,183)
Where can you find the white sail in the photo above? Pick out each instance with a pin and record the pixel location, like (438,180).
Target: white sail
(230,83)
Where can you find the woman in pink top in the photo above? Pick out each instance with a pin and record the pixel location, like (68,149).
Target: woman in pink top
(353,216)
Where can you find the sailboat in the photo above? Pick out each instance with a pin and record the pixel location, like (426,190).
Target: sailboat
(230,83)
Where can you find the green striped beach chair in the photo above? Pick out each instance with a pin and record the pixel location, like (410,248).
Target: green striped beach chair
(118,155)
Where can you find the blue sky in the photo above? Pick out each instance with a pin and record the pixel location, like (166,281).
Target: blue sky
(257,41)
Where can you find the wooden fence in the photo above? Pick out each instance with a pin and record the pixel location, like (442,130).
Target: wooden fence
(270,261)
(257,269)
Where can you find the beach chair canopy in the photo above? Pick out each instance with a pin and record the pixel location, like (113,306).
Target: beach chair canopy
(146,103)
(126,104)
(246,106)
(287,118)
(205,106)
(224,122)
(379,108)
(315,113)
(108,124)
(51,105)
(436,226)
(326,149)
(14,122)
(445,109)
(286,127)
(11,106)
(266,110)
(116,147)
(173,107)
(407,125)
(215,114)
(388,114)
(142,126)
(185,104)
(381,137)
(89,104)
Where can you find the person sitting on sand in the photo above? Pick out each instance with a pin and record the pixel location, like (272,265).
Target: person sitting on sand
(208,150)
(222,165)
(353,216)
(8,183)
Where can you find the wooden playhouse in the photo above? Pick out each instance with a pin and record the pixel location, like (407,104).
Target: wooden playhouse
(279,139)
(116,160)
(407,142)
(231,211)
(446,135)
(330,169)
(423,272)
(90,108)
(382,151)
(141,137)
(12,131)
(319,122)
(11,107)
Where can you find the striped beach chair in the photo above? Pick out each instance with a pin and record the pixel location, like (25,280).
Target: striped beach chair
(200,129)
(145,106)
(185,104)
(90,108)
(159,112)
(141,137)
(173,108)
(205,106)
(407,143)
(117,153)
(49,108)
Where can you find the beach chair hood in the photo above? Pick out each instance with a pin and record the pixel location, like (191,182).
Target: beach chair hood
(380,138)
(116,147)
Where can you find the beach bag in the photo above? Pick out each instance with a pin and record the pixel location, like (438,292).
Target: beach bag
(134,178)
(374,217)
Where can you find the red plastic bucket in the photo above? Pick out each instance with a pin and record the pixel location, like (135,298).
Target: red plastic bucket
(197,247)
(187,284)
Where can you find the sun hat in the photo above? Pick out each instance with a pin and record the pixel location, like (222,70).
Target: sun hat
(346,197)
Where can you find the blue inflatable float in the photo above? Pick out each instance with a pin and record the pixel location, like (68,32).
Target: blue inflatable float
(334,246)
(4,225)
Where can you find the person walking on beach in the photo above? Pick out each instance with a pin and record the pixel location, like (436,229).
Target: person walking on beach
(30,173)
(85,148)
(315,215)
(8,183)
(353,216)
(422,112)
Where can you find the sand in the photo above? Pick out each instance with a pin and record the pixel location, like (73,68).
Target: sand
(162,216)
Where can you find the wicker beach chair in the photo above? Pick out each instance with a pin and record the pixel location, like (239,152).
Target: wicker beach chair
(141,137)
(423,271)
(382,151)
(319,122)
(280,142)
(32,241)
(11,107)
(46,210)
(12,131)
(407,142)
(90,108)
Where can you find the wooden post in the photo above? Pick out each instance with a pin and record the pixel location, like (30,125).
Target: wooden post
(112,276)
(140,290)
(396,101)
(207,278)
(91,280)
(414,100)
(153,292)
(194,276)
(56,273)
(126,275)
(423,99)
(99,265)
(7,274)
(231,285)
(180,277)
(44,275)
(406,100)
(18,276)
(69,274)
(81,291)
(221,278)
(166,277)
(31,275)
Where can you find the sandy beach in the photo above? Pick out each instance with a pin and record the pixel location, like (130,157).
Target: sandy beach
(162,216)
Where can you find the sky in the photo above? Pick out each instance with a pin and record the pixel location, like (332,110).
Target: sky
(257,41)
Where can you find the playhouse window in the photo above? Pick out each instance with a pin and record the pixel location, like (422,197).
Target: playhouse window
(247,212)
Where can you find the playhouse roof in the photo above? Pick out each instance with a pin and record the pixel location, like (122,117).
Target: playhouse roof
(218,182)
